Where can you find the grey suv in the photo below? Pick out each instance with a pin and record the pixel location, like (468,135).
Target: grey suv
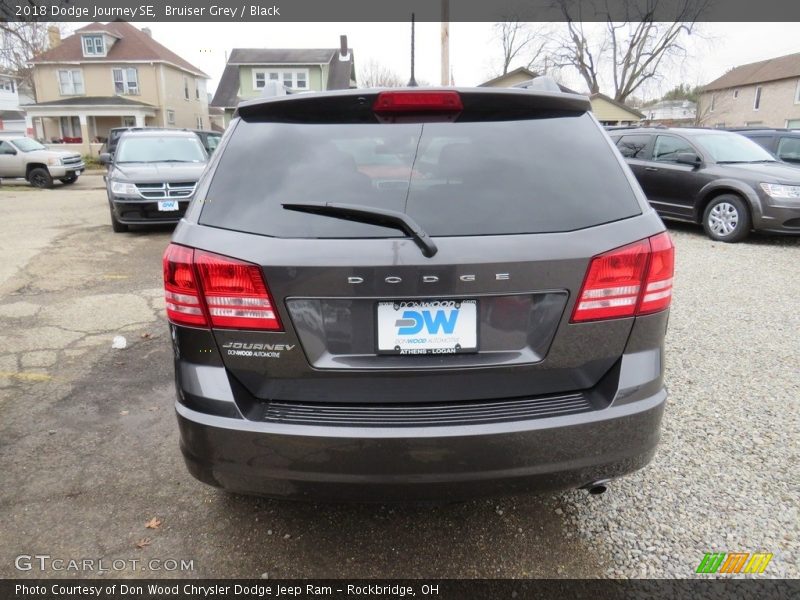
(417,294)
(721,179)
(152,176)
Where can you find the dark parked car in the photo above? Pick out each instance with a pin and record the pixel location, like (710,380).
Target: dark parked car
(209,139)
(783,143)
(718,178)
(417,293)
(152,176)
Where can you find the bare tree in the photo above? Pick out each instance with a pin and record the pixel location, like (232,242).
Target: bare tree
(635,51)
(375,75)
(19,43)
(523,43)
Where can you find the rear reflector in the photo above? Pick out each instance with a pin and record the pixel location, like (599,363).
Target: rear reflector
(422,101)
(203,288)
(633,280)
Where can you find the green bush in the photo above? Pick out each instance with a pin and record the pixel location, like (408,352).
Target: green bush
(92,162)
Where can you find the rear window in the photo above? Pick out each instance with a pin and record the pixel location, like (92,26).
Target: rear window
(468,178)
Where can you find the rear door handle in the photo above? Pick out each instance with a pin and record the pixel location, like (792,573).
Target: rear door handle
(651,169)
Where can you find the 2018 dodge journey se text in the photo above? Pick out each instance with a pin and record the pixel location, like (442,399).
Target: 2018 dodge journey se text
(417,294)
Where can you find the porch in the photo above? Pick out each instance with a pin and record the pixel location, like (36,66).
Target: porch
(82,123)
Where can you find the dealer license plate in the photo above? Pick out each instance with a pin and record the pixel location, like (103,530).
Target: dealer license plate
(427,327)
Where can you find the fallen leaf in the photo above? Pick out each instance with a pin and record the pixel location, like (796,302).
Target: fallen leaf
(147,336)
(124,412)
(153,523)
(143,543)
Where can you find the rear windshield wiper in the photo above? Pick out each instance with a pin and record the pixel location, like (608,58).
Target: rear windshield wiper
(371,216)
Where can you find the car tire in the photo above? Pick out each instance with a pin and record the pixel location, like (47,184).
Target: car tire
(116,225)
(69,180)
(727,219)
(40,178)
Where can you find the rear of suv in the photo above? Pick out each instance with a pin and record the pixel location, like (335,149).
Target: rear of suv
(417,294)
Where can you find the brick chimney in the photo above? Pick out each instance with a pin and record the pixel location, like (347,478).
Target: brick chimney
(148,31)
(53,36)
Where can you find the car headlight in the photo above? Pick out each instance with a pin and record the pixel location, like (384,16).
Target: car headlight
(777,190)
(123,188)
(55,162)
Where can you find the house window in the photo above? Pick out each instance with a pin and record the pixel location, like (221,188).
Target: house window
(70,127)
(94,45)
(7,85)
(126,81)
(129,121)
(197,89)
(735,93)
(71,82)
(797,93)
(792,123)
(293,79)
(199,122)
(713,102)
(757,100)
(171,117)
(186,88)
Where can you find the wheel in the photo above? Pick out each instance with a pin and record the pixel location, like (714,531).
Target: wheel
(69,179)
(40,178)
(727,219)
(116,225)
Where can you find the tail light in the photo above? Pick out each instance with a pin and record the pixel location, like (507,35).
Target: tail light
(633,280)
(202,288)
(418,101)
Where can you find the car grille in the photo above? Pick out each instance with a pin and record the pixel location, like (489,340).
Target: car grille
(427,415)
(71,161)
(164,191)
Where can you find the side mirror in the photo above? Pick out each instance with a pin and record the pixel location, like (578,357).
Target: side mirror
(104,158)
(688,158)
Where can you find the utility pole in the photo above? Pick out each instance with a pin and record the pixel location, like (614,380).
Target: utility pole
(412,82)
(446,42)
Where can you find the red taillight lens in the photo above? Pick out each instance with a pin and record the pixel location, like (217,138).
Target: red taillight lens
(422,101)
(657,293)
(202,288)
(235,293)
(633,280)
(180,287)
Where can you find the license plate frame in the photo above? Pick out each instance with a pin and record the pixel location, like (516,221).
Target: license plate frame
(462,337)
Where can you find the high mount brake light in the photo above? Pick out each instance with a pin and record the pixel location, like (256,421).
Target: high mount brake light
(633,280)
(202,288)
(417,101)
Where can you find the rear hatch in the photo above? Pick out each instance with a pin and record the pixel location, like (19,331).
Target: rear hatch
(507,196)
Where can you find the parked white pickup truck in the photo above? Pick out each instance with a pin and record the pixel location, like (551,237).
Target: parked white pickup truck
(24,157)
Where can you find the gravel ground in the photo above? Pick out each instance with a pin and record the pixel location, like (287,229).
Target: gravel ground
(725,478)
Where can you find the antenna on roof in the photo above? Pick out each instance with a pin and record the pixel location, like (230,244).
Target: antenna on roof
(412,82)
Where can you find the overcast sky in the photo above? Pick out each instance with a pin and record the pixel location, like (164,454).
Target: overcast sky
(474,53)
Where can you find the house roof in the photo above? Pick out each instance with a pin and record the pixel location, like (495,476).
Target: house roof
(132,45)
(340,74)
(12,115)
(94,101)
(773,69)
(518,71)
(620,105)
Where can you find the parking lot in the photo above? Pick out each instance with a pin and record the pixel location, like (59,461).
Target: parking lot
(89,445)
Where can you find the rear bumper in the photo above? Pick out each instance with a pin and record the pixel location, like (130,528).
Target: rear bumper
(420,463)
